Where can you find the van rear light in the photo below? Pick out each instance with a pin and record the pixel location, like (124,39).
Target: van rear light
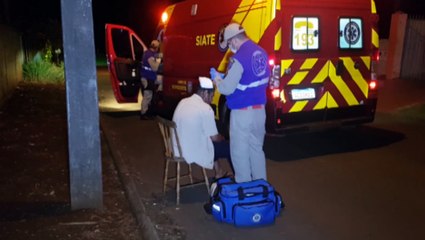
(373,85)
(278,121)
(276,93)
(275,77)
(376,54)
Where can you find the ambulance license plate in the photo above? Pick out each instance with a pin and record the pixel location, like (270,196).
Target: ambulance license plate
(303,94)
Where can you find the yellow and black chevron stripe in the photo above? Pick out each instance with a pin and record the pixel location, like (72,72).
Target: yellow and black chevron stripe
(349,89)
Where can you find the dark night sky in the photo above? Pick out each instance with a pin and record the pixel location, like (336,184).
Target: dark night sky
(142,16)
(35,16)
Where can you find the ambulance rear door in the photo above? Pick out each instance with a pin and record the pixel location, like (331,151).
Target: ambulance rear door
(325,73)
(124,51)
(350,67)
(303,66)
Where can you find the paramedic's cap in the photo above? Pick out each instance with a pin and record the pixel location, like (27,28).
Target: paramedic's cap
(154,44)
(206,83)
(230,31)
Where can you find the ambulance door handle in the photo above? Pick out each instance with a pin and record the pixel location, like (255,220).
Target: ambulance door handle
(287,71)
(356,65)
(339,67)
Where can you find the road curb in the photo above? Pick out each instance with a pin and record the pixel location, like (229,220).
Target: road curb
(136,204)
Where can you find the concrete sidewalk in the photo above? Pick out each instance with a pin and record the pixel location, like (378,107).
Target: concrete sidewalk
(396,94)
(137,149)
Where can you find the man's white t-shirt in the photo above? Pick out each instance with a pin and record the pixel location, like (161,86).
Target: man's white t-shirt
(195,125)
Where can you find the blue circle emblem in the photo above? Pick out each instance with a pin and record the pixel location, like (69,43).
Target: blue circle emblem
(259,63)
(256,218)
(352,33)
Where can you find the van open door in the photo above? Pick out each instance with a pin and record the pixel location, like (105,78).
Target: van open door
(124,51)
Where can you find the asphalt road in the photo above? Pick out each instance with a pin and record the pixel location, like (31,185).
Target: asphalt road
(359,183)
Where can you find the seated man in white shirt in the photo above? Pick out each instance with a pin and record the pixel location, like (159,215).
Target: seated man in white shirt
(200,141)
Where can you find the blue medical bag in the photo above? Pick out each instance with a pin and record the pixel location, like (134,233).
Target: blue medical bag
(246,204)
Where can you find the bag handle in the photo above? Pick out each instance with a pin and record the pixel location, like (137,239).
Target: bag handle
(242,195)
(278,196)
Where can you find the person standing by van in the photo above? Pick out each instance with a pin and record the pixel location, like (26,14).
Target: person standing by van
(151,80)
(245,88)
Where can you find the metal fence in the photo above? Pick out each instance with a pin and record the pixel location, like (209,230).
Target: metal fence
(413,61)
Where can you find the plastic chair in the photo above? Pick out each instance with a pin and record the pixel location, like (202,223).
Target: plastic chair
(168,129)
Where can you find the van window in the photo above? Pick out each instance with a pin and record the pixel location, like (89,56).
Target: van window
(350,33)
(305,33)
(121,41)
(138,48)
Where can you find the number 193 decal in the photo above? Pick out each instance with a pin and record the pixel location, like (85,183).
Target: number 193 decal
(305,33)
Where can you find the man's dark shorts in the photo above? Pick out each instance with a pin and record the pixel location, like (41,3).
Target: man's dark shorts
(221,150)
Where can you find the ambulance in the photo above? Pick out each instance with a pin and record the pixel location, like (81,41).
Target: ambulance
(322,56)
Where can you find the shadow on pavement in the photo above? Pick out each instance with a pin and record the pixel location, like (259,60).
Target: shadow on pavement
(31,210)
(301,146)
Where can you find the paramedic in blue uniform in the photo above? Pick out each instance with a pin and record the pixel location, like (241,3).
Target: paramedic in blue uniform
(245,88)
(151,80)
(199,138)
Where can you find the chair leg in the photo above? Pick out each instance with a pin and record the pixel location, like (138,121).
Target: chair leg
(206,180)
(178,184)
(165,175)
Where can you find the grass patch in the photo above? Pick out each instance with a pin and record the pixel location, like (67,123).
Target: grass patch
(43,70)
(40,70)
(101,62)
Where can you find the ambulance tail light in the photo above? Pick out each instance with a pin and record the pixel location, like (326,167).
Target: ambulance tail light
(275,77)
(274,82)
(276,93)
(373,85)
(376,54)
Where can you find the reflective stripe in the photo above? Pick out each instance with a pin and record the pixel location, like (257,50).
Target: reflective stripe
(253,84)
(373,6)
(252,107)
(375,38)
(147,68)
(278,40)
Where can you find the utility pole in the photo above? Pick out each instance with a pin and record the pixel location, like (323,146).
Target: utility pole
(85,165)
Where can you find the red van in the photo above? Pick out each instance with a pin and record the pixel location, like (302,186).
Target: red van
(322,56)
